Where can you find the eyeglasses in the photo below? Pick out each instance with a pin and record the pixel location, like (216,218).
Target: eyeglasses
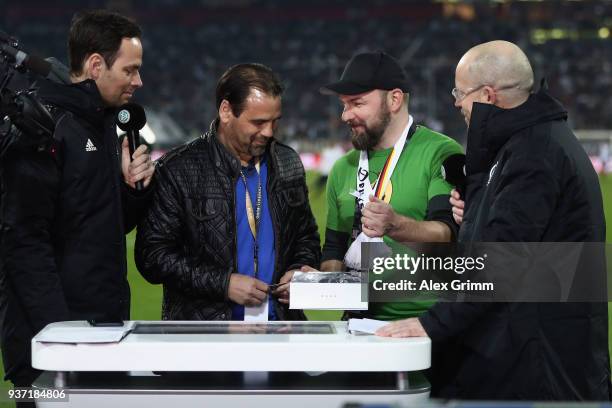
(460,95)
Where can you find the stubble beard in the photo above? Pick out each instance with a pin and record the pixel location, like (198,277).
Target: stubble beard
(257,151)
(372,135)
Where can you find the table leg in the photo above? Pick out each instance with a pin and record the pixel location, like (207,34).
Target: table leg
(60,379)
(402,381)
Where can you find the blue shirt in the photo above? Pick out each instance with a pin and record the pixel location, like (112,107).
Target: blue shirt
(265,233)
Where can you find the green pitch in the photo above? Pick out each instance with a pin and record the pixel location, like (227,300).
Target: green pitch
(146,298)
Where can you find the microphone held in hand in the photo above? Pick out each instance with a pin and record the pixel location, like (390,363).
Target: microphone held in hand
(453,171)
(131,118)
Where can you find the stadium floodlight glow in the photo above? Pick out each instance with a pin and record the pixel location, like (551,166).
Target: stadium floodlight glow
(538,36)
(557,33)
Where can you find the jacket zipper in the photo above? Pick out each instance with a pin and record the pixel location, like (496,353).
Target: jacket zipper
(112,148)
(276,272)
(235,255)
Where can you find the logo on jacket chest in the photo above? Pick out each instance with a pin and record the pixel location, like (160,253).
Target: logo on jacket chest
(90,147)
(492,172)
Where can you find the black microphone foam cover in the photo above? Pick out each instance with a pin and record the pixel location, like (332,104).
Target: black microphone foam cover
(131,116)
(453,170)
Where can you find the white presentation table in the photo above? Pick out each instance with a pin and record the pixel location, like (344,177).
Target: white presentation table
(273,364)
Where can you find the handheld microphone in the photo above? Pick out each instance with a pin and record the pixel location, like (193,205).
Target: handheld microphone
(131,118)
(453,171)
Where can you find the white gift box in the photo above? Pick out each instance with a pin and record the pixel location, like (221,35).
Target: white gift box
(328,291)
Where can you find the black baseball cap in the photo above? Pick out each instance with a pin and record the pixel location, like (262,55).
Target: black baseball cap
(368,71)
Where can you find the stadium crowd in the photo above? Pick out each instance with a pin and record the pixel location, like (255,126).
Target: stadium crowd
(189,43)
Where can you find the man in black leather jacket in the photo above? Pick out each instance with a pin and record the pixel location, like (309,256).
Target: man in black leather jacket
(230,214)
(65,209)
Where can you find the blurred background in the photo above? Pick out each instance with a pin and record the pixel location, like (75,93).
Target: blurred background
(189,43)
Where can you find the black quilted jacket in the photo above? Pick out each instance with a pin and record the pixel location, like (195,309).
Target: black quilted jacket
(187,240)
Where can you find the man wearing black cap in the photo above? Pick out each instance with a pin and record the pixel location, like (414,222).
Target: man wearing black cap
(406,198)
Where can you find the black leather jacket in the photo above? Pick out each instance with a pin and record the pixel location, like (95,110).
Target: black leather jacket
(187,241)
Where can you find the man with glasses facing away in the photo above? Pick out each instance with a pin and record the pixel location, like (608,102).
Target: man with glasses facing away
(528,180)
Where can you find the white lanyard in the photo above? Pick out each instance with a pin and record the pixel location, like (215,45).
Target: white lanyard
(364,188)
(352,258)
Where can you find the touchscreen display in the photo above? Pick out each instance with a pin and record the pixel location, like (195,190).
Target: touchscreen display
(233,328)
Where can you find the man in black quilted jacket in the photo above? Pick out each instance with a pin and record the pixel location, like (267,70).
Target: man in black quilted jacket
(230,215)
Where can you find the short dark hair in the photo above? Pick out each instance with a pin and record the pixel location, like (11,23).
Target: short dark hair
(98,31)
(236,84)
